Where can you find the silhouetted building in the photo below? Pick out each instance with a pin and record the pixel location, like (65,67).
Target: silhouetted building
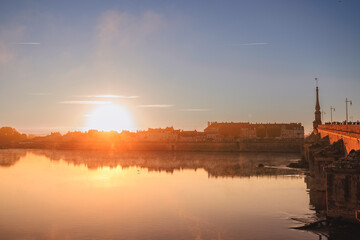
(191,136)
(158,135)
(230,131)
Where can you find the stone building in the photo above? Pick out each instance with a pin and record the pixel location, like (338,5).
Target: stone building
(191,136)
(231,131)
(158,135)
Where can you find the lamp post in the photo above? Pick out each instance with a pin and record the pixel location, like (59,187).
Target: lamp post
(322,116)
(331,111)
(347,101)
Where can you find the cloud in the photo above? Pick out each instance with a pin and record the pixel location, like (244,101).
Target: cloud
(39,94)
(252,44)
(85,102)
(194,110)
(27,43)
(156,106)
(113,96)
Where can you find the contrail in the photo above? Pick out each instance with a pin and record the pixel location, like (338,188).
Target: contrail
(27,43)
(195,110)
(155,106)
(112,96)
(85,102)
(252,44)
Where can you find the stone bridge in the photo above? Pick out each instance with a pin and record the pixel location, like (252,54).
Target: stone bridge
(349,133)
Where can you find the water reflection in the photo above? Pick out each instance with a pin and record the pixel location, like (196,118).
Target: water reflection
(216,164)
(8,157)
(97,195)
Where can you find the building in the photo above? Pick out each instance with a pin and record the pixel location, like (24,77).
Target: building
(191,136)
(230,131)
(167,134)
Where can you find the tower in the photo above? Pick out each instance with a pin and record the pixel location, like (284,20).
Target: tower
(317,120)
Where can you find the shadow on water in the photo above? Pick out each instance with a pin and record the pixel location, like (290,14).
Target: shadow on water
(333,230)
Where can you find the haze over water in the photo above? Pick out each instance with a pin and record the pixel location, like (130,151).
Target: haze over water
(89,195)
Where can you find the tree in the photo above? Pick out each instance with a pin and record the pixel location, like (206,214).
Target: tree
(9,135)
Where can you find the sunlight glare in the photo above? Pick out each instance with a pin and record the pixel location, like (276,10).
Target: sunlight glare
(109,117)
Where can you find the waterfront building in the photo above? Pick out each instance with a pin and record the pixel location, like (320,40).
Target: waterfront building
(167,134)
(243,130)
(191,136)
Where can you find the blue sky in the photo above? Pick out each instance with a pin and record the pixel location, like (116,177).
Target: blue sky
(176,63)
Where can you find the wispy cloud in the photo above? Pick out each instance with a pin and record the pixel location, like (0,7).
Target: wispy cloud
(252,44)
(39,94)
(113,96)
(27,43)
(85,102)
(156,106)
(195,110)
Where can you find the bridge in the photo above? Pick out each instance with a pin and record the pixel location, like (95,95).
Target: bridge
(349,133)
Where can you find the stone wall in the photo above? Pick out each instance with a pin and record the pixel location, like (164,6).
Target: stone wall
(317,198)
(312,149)
(321,159)
(343,194)
(343,188)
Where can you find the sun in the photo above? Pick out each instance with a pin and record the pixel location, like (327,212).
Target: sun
(109,117)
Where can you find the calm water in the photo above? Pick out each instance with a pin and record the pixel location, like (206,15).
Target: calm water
(91,195)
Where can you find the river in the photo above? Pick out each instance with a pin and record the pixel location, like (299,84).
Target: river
(151,195)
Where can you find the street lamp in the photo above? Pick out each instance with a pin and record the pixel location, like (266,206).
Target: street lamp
(331,111)
(347,101)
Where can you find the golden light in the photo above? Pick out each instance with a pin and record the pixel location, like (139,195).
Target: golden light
(109,117)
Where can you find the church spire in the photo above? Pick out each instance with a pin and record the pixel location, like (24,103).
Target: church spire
(317,120)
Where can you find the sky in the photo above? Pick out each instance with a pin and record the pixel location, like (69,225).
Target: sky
(75,65)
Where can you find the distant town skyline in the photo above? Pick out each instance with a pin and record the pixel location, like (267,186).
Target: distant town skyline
(132,65)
